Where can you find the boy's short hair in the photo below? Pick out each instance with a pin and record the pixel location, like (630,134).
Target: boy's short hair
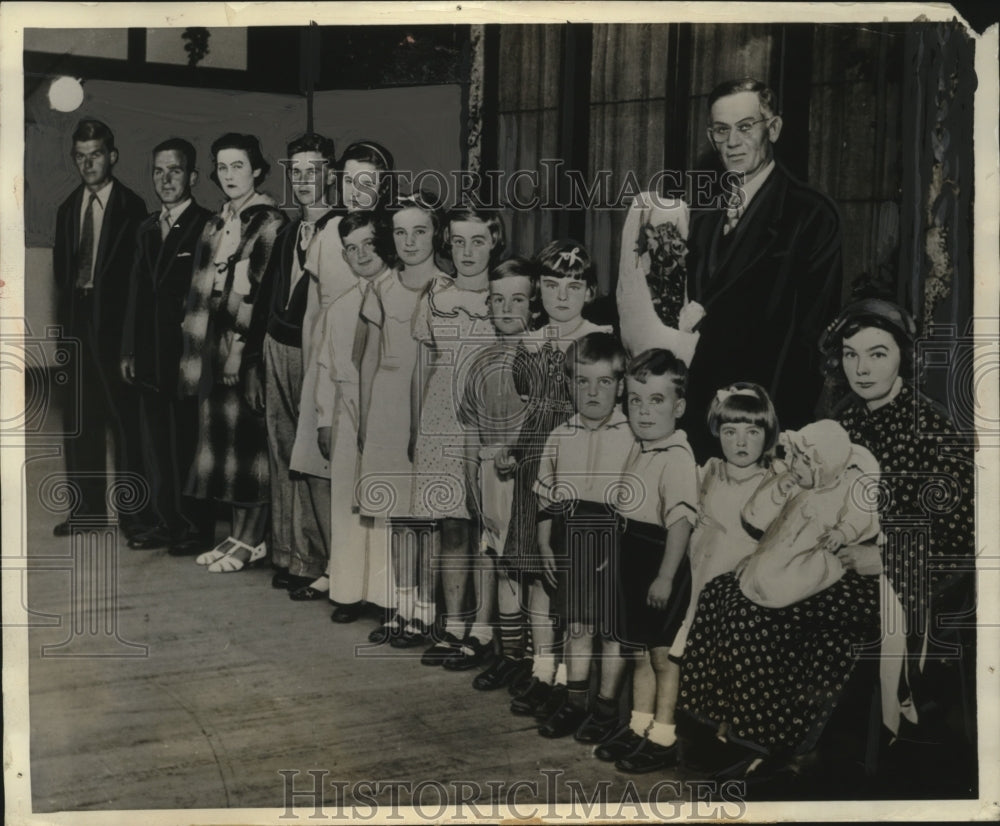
(314,142)
(513,267)
(181,147)
(658,362)
(567,258)
(593,348)
(746,402)
(383,238)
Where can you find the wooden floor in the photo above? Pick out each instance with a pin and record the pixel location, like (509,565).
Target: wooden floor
(238,683)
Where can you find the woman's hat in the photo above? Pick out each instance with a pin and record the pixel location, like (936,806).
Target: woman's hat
(870,308)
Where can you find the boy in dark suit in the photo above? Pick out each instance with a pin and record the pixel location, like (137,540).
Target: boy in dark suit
(152,347)
(92,258)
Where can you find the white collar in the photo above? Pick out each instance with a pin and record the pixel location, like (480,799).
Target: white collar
(752,187)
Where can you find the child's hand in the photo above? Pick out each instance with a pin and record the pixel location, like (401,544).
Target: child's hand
(548,563)
(863,559)
(324,438)
(786,483)
(659,593)
(689,316)
(505,463)
(832,540)
(253,393)
(231,372)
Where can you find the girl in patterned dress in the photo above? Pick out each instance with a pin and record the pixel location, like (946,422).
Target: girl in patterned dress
(389,356)
(231,462)
(567,282)
(452,323)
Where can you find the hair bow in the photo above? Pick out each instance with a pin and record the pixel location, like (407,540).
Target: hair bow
(570,259)
(725,392)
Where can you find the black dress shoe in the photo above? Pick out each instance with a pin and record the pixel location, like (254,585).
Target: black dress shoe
(413,635)
(442,650)
(535,695)
(618,746)
(344,614)
(552,702)
(472,654)
(281,577)
(520,681)
(649,757)
(191,546)
(150,541)
(390,628)
(65,528)
(306,594)
(565,720)
(497,675)
(597,729)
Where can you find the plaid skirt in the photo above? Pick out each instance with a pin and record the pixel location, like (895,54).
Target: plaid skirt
(231,462)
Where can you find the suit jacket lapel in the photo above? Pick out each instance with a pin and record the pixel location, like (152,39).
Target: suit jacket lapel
(752,238)
(175,241)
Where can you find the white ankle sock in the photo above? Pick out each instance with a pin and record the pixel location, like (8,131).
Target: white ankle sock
(640,721)
(321,584)
(482,632)
(425,612)
(544,667)
(662,734)
(406,600)
(560,674)
(454,626)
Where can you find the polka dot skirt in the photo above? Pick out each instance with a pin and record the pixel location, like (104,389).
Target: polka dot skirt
(775,674)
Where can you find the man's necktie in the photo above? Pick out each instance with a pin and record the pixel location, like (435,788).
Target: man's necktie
(165,225)
(85,252)
(734,211)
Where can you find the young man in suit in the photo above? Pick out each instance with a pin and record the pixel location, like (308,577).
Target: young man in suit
(92,258)
(152,347)
(275,361)
(767,269)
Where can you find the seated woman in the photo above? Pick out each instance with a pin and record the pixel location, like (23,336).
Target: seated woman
(926,509)
(772,644)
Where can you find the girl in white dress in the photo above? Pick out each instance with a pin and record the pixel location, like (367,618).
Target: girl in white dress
(387,363)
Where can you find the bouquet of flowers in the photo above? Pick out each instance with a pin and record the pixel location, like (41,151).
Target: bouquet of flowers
(667,271)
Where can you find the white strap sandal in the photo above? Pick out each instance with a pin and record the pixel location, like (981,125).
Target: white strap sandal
(219,551)
(230,563)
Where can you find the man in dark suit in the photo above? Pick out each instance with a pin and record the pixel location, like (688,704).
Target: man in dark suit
(767,268)
(152,347)
(94,246)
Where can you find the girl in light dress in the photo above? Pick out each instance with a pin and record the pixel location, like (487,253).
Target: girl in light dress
(742,417)
(362,185)
(387,364)
(452,324)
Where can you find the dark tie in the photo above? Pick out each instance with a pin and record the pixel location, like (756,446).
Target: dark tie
(306,231)
(85,252)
